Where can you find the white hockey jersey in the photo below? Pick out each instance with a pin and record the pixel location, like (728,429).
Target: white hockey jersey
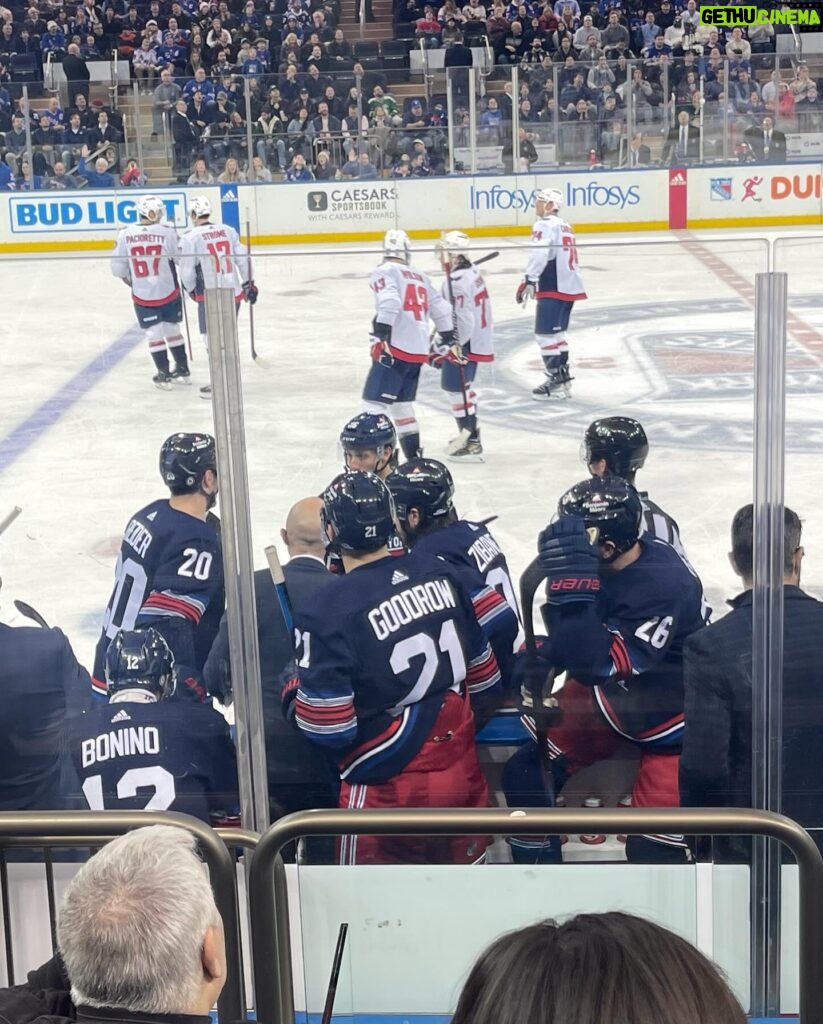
(144,256)
(553,261)
(212,256)
(405,298)
(472,312)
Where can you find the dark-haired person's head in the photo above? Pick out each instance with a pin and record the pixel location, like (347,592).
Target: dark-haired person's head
(634,970)
(742,553)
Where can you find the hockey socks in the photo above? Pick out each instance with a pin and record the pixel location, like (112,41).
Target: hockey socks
(161,359)
(469,424)
(410,443)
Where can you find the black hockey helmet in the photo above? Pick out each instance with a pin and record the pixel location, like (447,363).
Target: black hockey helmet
(140,659)
(357,513)
(608,504)
(619,440)
(424,484)
(184,459)
(368,431)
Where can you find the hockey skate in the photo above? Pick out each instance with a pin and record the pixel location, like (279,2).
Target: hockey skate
(205,392)
(557,385)
(181,374)
(162,380)
(470,451)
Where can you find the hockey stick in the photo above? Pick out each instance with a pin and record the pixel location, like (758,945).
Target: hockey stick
(186,323)
(6,523)
(487,257)
(337,962)
(279,581)
(250,278)
(31,613)
(463,437)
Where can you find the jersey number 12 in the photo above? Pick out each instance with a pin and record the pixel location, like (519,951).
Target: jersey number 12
(128,784)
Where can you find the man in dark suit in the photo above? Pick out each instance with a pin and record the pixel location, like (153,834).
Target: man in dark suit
(767,144)
(76,72)
(682,143)
(638,153)
(44,690)
(716,764)
(299,774)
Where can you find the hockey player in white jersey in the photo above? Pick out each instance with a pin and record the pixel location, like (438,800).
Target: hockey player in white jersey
(404,299)
(144,257)
(465,290)
(553,278)
(212,256)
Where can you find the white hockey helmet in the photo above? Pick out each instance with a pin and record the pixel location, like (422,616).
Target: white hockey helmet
(456,243)
(199,207)
(549,195)
(151,208)
(396,245)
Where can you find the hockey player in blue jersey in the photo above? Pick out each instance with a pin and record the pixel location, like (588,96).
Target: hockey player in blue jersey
(619,608)
(618,445)
(169,572)
(423,492)
(369,443)
(391,662)
(143,751)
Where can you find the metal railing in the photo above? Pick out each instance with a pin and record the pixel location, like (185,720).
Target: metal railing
(269,905)
(49,829)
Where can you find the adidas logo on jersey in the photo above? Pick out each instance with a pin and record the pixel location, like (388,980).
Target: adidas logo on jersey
(151,516)
(121,716)
(230,196)
(678,179)
(398,577)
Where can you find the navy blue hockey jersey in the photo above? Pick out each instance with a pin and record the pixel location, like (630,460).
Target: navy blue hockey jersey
(629,644)
(166,756)
(169,575)
(472,549)
(378,652)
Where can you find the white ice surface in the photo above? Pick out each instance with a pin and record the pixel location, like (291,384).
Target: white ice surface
(665,336)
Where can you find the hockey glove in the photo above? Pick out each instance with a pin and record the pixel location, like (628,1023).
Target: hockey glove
(525,291)
(440,354)
(250,292)
(570,561)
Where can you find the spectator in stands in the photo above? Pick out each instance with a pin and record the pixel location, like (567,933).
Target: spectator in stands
(358,167)
(76,71)
(104,134)
(53,41)
(74,138)
(144,65)
(298,171)
(716,763)
(761,37)
(324,169)
(231,173)
(149,882)
(47,138)
(84,112)
(585,32)
(474,10)
(766,143)
(591,52)
(200,174)
(339,50)
(428,28)
(61,180)
(132,176)
(184,134)
(99,176)
(491,121)
(301,132)
(15,143)
(638,154)
(637,971)
(166,95)
(199,83)
(738,45)
(26,181)
(200,113)
(528,154)
(640,91)
(259,172)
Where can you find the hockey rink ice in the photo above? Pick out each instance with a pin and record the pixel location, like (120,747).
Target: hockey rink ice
(666,336)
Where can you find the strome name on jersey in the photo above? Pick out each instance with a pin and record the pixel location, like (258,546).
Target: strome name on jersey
(87,212)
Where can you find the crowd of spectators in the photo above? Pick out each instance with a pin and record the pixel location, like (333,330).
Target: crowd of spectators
(315,112)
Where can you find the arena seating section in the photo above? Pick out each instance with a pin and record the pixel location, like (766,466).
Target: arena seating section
(396,56)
